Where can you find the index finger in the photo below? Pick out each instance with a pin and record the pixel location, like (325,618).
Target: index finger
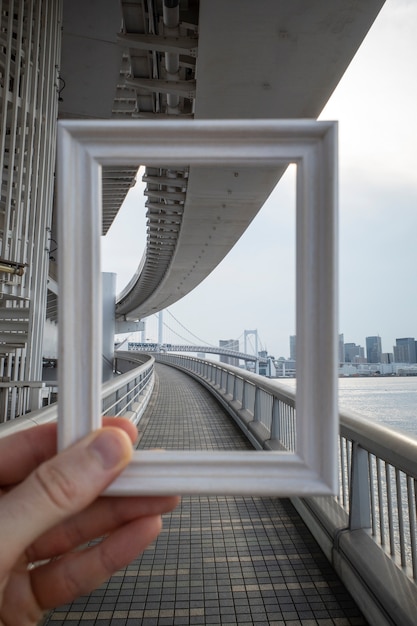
(23,451)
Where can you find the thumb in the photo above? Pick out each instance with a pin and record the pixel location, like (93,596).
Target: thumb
(59,488)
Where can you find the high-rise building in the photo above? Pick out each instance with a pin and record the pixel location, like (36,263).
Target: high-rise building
(405,350)
(229,344)
(354,353)
(266,368)
(292,347)
(387,357)
(341,348)
(373,349)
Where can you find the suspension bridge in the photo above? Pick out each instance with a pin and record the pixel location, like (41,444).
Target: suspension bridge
(168,341)
(169,347)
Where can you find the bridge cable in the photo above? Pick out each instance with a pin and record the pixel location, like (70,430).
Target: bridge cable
(178,335)
(188,331)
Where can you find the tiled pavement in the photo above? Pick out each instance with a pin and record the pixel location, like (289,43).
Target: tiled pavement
(219,560)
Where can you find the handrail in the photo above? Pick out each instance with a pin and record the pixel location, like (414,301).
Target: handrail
(126,394)
(390,445)
(263,408)
(394,447)
(369,531)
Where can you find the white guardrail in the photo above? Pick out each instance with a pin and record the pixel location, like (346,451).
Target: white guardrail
(368,531)
(124,395)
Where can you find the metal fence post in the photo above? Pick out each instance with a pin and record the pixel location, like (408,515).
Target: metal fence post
(257,406)
(359,500)
(275,424)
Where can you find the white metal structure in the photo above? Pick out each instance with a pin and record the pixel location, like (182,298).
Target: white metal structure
(126,395)
(30,44)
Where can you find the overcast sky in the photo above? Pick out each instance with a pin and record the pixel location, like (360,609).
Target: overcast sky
(253,288)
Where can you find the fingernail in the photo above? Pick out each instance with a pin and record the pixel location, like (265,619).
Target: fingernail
(108,448)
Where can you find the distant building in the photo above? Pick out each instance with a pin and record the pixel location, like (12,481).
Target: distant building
(405,350)
(229,344)
(373,349)
(292,347)
(266,368)
(354,352)
(285,368)
(387,357)
(341,348)
(359,359)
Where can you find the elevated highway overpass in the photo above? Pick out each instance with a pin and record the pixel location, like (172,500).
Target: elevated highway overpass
(201,59)
(137,59)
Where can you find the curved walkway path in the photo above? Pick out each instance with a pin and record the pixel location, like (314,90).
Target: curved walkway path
(219,560)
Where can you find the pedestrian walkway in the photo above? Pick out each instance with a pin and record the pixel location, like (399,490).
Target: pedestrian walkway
(219,560)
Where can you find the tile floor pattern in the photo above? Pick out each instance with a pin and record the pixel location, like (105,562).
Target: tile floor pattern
(219,560)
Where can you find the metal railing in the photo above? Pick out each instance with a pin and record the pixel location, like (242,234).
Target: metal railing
(264,408)
(368,530)
(126,394)
(18,397)
(378,466)
(378,486)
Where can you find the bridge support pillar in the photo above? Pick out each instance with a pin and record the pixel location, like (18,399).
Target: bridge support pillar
(248,333)
(109,324)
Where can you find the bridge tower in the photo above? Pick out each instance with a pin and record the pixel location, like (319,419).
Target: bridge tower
(248,333)
(160,328)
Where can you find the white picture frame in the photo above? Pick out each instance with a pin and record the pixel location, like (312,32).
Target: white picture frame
(83,148)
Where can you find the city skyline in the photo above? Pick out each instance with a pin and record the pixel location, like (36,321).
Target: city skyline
(238,343)
(254,287)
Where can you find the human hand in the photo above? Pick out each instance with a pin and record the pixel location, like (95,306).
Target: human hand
(50,505)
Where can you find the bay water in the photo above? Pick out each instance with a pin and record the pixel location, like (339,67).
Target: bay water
(390,400)
(387,400)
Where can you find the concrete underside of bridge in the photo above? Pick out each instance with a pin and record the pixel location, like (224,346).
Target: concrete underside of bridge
(195,59)
(275,60)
